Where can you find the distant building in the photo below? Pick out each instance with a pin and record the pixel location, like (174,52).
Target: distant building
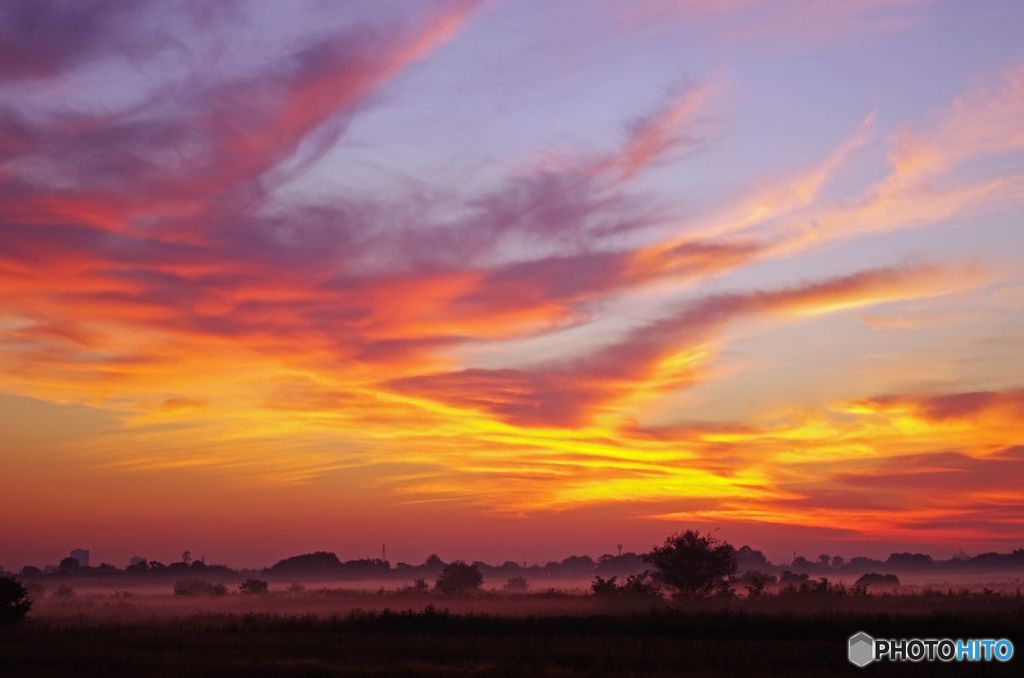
(136,560)
(82,556)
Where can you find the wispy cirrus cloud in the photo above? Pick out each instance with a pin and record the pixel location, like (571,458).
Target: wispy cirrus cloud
(565,394)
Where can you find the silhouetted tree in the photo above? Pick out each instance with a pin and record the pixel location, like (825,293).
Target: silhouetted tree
(748,559)
(14,601)
(253,586)
(318,563)
(694,564)
(837,562)
(68,566)
(458,578)
(516,585)
(30,571)
(789,578)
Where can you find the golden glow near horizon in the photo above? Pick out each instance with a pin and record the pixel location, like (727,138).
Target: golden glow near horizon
(244,293)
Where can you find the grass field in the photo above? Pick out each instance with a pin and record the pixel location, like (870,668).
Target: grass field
(431,641)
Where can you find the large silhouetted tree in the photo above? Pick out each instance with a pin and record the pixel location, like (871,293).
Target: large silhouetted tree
(459,578)
(692,563)
(69,565)
(14,601)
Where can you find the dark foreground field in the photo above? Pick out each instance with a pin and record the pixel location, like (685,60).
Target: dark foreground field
(434,643)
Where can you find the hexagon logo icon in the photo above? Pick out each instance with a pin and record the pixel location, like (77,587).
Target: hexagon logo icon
(861,649)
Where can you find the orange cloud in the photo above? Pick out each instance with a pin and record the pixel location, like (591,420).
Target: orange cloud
(566,394)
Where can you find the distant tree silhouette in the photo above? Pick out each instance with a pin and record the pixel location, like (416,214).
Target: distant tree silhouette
(30,571)
(14,601)
(910,561)
(253,586)
(756,582)
(692,563)
(789,578)
(317,563)
(69,565)
(837,562)
(458,578)
(748,559)
(516,584)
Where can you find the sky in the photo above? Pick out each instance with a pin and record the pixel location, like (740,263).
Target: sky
(510,279)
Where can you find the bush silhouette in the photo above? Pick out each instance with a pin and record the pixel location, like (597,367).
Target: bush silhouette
(756,582)
(516,584)
(253,586)
(198,587)
(874,580)
(634,586)
(692,563)
(458,578)
(604,588)
(14,601)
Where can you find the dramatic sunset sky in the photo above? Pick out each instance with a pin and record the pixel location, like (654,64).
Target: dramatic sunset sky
(510,280)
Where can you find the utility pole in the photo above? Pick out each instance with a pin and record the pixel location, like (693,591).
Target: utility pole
(384,552)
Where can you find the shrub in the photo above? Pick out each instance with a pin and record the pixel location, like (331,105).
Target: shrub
(639,586)
(516,584)
(14,601)
(253,586)
(198,587)
(873,580)
(634,586)
(604,588)
(756,582)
